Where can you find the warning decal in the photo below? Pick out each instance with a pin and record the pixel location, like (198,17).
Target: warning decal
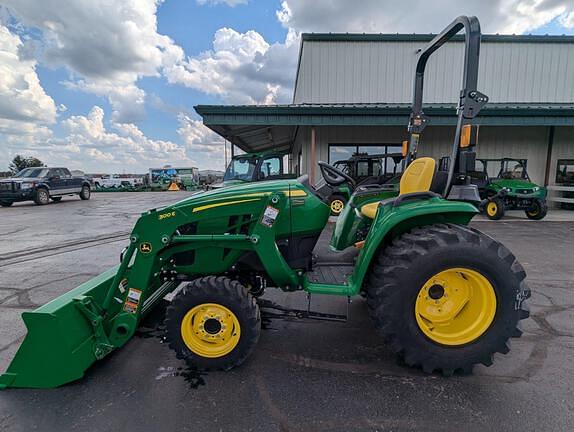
(269,216)
(132,300)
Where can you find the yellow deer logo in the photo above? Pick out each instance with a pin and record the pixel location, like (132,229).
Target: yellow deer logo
(145,247)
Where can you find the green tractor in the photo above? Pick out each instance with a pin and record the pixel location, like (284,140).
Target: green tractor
(365,169)
(252,167)
(521,192)
(443,295)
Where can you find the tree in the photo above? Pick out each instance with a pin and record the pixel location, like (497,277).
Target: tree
(21,162)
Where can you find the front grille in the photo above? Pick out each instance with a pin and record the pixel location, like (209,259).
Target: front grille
(524,191)
(6,186)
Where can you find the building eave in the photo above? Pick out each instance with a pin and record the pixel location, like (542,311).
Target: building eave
(262,127)
(398,37)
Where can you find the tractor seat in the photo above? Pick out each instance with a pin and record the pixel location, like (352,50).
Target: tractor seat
(418,177)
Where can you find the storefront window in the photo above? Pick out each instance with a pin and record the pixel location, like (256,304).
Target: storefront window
(565,172)
(339,152)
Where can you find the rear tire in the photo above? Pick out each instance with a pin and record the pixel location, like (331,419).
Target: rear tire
(402,270)
(6,203)
(85,193)
(42,196)
(538,210)
(494,209)
(193,344)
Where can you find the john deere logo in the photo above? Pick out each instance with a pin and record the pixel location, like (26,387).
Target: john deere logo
(145,247)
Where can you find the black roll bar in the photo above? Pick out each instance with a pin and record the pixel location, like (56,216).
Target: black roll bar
(470,99)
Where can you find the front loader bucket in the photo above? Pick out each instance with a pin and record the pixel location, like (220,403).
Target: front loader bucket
(60,344)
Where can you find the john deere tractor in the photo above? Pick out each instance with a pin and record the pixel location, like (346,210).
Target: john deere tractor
(252,167)
(442,295)
(365,169)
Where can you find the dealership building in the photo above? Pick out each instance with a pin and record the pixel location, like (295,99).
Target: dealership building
(353,93)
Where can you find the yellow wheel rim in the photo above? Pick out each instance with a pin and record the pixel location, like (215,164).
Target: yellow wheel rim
(491,208)
(337,206)
(210,330)
(455,306)
(533,212)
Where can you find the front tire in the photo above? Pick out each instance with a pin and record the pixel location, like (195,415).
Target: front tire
(538,210)
(85,193)
(213,323)
(446,297)
(494,209)
(6,203)
(42,196)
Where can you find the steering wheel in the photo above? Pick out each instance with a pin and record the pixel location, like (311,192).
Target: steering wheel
(335,177)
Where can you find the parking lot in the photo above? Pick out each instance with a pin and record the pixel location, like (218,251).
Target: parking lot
(304,375)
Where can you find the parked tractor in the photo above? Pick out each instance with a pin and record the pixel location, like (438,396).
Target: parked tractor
(251,167)
(443,295)
(365,169)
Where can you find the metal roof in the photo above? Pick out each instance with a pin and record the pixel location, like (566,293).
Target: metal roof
(262,127)
(414,37)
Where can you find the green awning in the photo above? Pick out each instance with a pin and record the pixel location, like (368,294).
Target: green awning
(262,127)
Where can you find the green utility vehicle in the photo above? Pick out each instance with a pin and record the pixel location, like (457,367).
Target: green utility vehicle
(511,175)
(443,295)
(251,167)
(504,184)
(365,169)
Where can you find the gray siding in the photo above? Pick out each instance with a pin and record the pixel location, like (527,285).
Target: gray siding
(382,72)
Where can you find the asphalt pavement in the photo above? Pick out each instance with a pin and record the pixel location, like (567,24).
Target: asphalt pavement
(304,375)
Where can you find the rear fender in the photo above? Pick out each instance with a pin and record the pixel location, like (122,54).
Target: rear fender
(390,222)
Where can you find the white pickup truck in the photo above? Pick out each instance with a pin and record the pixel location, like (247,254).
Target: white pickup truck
(114,180)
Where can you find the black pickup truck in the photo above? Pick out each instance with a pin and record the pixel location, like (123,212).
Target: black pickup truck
(40,184)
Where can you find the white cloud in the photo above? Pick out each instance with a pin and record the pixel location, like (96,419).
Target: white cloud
(242,68)
(417,16)
(98,38)
(567,20)
(22,98)
(231,3)
(25,108)
(127,99)
(107,45)
(127,145)
(202,142)
(89,145)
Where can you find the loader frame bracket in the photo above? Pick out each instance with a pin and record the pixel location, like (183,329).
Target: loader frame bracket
(94,315)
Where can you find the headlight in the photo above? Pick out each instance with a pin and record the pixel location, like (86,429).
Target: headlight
(26,185)
(535,189)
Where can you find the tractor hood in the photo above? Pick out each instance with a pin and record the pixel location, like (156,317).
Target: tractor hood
(227,183)
(244,190)
(515,184)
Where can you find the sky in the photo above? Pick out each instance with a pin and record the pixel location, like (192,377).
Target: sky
(110,86)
